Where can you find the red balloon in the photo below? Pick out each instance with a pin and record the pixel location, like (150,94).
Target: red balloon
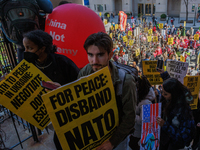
(70,25)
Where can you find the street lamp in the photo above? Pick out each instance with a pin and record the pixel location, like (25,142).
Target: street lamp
(194,17)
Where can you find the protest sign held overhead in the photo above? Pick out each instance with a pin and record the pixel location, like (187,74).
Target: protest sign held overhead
(84,113)
(196,37)
(20,92)
(129,33)
(137,52)
(150,31)
(161,26)
(149,70)
(182,58)
(149,38)
(150,135)
(116,26)
(155,39)
(193,84)
(177,69)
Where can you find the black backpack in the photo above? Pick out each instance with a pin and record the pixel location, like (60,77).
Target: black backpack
(18,17)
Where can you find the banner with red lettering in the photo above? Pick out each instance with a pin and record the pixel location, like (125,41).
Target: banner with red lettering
(123,20)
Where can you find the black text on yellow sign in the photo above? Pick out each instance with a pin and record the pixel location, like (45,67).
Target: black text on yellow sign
(193,84)
(84,113)
(21,93)
(149,70)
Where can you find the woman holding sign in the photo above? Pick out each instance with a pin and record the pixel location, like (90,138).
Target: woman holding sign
(40,51)
(178,125)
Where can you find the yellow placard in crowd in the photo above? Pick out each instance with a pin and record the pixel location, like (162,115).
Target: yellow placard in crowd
(196,37)
(150,31)
(193,84)
(143,20)
(125,39)
(111,35)
(84,113)
(182,58)
(112,28)
(108,15)
(105,21)
(155,39)
(20,92)
(137,52)
(149,38)
(131,42)
(100,14)
(170,41)
(161,26)
(146,30)
(129,33)
(149,70)
(184,23)
(116,26)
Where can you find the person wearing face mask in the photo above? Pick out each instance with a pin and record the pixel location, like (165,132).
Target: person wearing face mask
(39,50)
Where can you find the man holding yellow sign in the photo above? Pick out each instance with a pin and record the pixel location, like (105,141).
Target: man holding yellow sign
(96,132)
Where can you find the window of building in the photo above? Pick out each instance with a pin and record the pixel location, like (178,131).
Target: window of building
(99,7)
(198,7)
(148,9)
(95,8)
(105,6)
(193,7)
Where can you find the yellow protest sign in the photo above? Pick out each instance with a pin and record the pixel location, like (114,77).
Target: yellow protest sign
(155,39)
(125,39)
(84,113)
(112,28)
(20,92)
(118,36)
(184,23)
(161,26)
(143,20)
(116,26)
(111,35)
(131,42)
(150,31)
(100,14)
(193,84)
(137,52)
(149,38)
(196,37)
(170,41)
(182,58)
(129,33)
(149,70)
(108,15)
(105,21)
(146,30)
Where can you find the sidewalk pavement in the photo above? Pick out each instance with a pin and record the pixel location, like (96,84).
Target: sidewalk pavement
(176,22)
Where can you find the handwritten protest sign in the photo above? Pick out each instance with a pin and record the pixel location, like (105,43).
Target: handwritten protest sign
(196,37)
(20,92)
(125,57)
(149,70)
(177,69)
(170,41)
(155,39)
(161,26)
(184,23)
(193,84)
(84,113)
(150,135)
(149,38)
(129,33)
(150,31)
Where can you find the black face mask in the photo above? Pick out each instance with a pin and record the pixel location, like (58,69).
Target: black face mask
(30,57)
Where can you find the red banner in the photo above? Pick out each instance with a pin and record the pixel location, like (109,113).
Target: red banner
(123,20)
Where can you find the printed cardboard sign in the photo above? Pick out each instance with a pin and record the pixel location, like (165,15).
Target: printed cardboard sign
(20,92)
(84,113)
